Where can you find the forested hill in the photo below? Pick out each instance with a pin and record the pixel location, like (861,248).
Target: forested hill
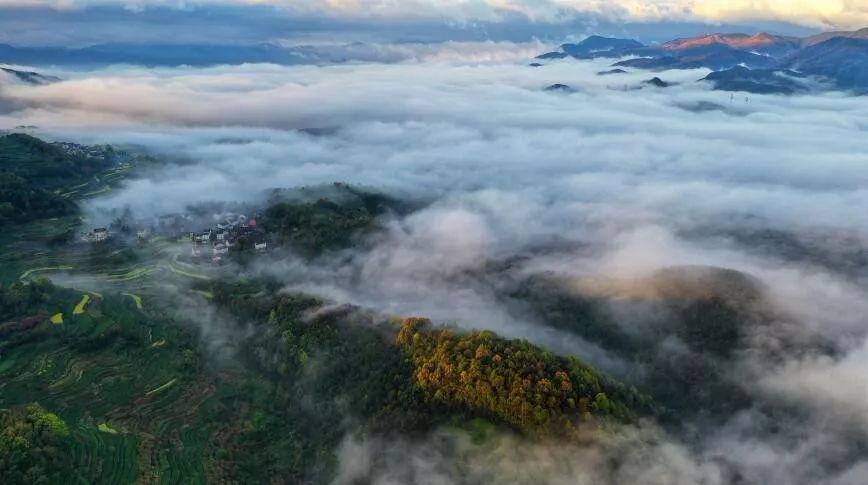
(34,174)
(22,201)
(514,381)
(313,220)
(43,164)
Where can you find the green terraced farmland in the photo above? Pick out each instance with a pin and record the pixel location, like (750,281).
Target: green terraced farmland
(120,394)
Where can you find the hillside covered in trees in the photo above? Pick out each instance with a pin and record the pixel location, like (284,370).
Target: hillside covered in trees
(33,176)
(513,381)
(318,219)
(44,164)
(34,446)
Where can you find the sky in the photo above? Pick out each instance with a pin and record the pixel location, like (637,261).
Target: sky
(819,13)
(83,22)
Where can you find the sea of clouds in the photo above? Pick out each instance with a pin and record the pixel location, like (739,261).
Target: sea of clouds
(608,180)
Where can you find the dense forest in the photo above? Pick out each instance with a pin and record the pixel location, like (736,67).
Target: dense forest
(513,381)
(43,164)
(326,218)
(31,174)
(22,201)
(33,445)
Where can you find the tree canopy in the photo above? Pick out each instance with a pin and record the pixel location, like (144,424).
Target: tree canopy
(32,446)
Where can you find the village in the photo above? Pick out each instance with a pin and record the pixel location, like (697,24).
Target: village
(234,232)
(100,152)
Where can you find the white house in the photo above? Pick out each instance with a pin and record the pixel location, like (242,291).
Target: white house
(203,237)
(100,234)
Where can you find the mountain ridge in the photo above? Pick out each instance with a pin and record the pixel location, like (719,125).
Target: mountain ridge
(758,63)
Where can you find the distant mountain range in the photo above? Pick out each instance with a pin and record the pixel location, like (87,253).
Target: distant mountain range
(26,77)
(760,81)
(151,55)
(203,55)
(762,43)
(818,39)
(196,55)
(760,63)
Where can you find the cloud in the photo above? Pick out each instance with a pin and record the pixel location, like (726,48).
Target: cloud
(628,170)
(451,457)
(447,126)
(834,386)
(638,455)
(814,13)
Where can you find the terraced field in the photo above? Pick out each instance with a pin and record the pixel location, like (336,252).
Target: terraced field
(141,396)
(127,379)
(123,267)
(100,370)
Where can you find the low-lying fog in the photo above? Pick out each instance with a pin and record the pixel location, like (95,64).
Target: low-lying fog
(608,181)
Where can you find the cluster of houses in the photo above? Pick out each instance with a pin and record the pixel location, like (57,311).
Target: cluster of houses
(91,151)
(233,231)
(102,234)
(98,235)
(218,239)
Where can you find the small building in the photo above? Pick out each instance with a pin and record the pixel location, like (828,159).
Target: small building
(261,246)
(203,237)
(100,234)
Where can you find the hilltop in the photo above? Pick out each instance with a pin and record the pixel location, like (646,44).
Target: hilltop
(29,77)
(40,180)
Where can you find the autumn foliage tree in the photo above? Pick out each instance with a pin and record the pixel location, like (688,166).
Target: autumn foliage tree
(512,380)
